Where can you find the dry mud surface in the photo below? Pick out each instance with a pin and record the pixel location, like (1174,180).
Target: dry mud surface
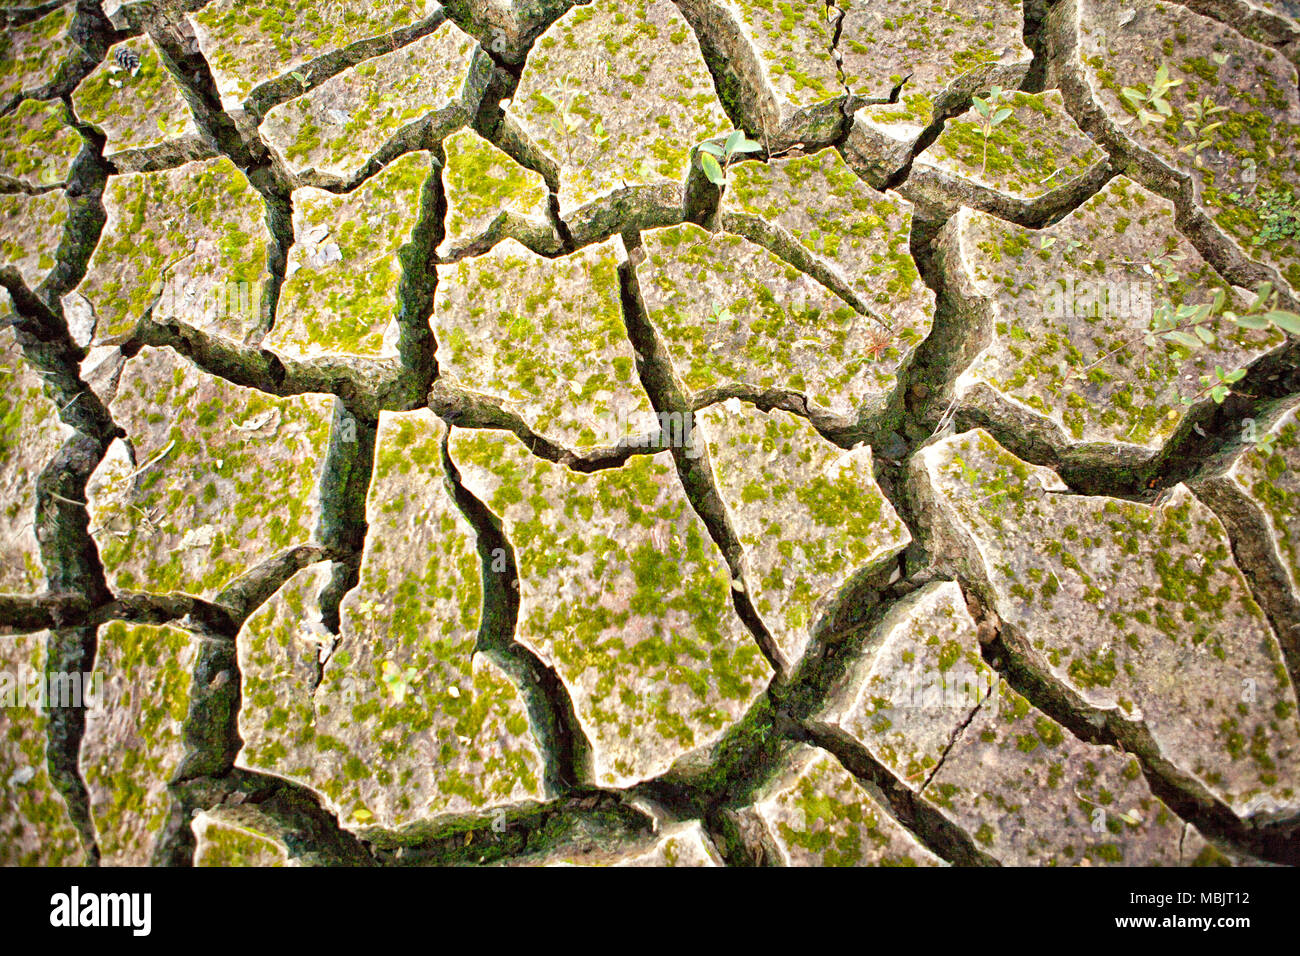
(436,467)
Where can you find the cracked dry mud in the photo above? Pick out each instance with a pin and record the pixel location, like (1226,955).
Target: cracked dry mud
(439,469)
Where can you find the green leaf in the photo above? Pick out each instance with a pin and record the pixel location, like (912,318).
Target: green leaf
(1189,342)
(1000,115)
(748,146)
(1205,335)
(712,170)
(1261,295)
(732,142)
(1219,393)
(1286,321)
(1252,321)
(1133,96)
(981,106)
(1236,376)
(713,149)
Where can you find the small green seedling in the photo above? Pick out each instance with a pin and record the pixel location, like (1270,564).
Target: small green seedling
(1199,126)
(1151,105)
(991,114)
(715,159)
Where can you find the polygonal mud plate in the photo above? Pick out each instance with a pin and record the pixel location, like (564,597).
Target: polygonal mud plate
(337,126)
(483,182)
(1069,306)
(223,477)
(249,43)
(545,336)
(1035,150)
(280,648)
(818,815)
(35,829)
(1257,497)
(1031,794)
(793,42)
(133,743)
(808,514)
(136,108)
(905,699)
(832,214)
(33,53)
(938,47)
(30,230)
(1271,479)
(617,94)
(1132,614)
(731,312)
(408,722)
(1250,156)
(1020,786)
(195,237)
(340,289)
(37,146)
(622,589)
(683,845)
(30,435)
(220,844)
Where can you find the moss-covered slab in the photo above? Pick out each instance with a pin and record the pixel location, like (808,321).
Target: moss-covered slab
(136,107)
(408,722)
(683,845)
(340,288)
(818,815)
(37,146)
(905,700)
(793,42)
(1257,496)
(1035,150)
(30,435)
(30,230)
(544,335)
(280,649)
(250,43)
(837,218)
(223,477)
(1033,795)
(1022,788)
(483,182)
(1068,307)
(616,94)
(133,744)
(623,591)
(32,54)
(222,844)
(1247,179)
(195,237)
(729,311)
(35,829)
(809,514)
(1132,614)
(338,125)
(938,48)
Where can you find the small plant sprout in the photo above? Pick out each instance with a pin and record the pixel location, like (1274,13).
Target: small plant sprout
(991,112)
(398,681)
(1151,105)
(1200,127)
(715,159)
